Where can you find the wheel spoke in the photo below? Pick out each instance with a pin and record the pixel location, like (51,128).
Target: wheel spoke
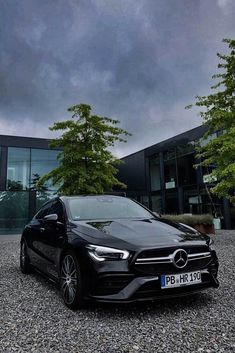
(73,272)
(63,269)
(66,293)
(67,264)
(71,293)
(64,285)
(71,265)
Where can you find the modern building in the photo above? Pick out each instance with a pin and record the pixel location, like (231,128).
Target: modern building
(160,176)
(22,161)
(163,178)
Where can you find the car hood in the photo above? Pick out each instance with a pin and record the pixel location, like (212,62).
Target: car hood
(138,233)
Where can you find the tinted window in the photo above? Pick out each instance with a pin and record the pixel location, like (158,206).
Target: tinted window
(57,208)
(85,208)
(44,211)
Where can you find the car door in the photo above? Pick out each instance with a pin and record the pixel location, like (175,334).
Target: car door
(51,240)
(36,230)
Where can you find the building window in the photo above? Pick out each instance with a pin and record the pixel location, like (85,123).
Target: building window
(42,162)
(186,148)
(25,167)
(18,168)
(171,202)
(170,168)
(156,203)
(154,164)
(14,208)
(192,201)
(187,174)
(144,199)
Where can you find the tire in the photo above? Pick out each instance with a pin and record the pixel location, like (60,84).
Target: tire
(24,258)
(71,281)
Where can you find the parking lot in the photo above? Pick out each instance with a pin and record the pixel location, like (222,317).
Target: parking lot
(34,319)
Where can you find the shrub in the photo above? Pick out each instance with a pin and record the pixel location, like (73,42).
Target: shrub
(191,220)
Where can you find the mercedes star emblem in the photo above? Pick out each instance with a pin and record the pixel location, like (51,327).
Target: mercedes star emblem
(180,258)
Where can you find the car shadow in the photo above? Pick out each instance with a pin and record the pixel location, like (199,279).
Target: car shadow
(162,306)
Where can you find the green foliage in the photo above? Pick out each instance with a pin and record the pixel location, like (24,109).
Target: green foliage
(219,115)
(193,220)
(86,166)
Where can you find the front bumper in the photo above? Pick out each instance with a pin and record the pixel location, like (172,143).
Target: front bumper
(120,283)
(149,288)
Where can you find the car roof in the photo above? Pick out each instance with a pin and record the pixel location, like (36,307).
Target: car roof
(89,196)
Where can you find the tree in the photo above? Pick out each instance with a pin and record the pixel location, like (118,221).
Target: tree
(86,165)
(219,115)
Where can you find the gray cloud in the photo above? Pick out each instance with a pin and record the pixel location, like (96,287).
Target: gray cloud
(138,61)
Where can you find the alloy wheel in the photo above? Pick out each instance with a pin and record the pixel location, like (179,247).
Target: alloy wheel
(69,279)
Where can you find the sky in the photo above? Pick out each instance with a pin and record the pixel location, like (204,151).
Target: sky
(138,61)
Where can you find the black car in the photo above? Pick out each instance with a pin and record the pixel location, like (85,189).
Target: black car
(112,249)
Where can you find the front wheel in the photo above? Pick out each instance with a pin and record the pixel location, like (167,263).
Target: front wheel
(24,258)
(71,281)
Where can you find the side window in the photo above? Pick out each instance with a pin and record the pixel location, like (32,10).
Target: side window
(57,208)
(44,211)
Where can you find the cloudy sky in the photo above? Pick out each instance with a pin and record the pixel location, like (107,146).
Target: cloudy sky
(140,61)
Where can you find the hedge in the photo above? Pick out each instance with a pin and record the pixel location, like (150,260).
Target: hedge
(191,220)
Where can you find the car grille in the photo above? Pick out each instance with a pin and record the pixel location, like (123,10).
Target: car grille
(160,261)
(170,250)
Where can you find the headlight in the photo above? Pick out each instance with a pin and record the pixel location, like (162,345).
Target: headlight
(102,253)
(212,244)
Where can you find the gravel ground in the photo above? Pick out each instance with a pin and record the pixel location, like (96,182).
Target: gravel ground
(34,319)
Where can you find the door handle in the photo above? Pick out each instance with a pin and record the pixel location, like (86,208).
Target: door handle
(42,229)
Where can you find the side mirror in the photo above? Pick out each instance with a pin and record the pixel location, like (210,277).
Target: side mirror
(50,218)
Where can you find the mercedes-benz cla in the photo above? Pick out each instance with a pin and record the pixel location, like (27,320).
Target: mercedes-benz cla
(112,249)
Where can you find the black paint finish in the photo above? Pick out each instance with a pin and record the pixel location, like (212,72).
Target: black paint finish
(117,280)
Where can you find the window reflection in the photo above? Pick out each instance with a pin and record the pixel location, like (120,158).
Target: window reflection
(25,167)
(187,174)
(157,203)
(155,173)
(18,168)
(42,162)
(171,202)
(170,169)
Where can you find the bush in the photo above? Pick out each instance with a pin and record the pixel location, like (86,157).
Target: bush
(205,219)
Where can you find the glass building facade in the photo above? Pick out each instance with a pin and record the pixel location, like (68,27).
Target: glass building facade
(161,177)
(26,165)
(22,162)
(171,184)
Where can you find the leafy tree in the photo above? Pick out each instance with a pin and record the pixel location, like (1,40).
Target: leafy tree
(86,166)
(219,115)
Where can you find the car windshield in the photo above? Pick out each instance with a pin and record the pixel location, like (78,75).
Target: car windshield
(87,208)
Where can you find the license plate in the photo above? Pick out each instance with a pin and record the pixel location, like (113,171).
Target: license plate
(180,279)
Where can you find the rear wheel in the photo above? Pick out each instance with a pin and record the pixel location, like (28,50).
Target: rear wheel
(71,281)
(24,258)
